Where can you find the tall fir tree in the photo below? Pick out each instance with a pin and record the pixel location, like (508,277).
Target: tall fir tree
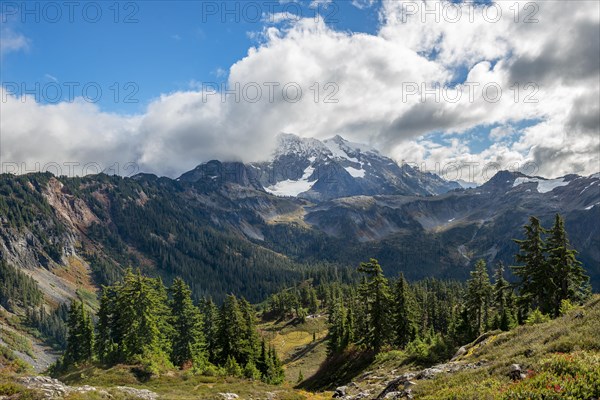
(478,297)
(139,307)
(188,340)
(536,286)
(262,361)
(211,328)
(104,343)
(251,340)
(230,339)
(403,313)
(502,299)
(80,341)
(336,333)
(376,292)
(501,287)
(567,272)
(275,372)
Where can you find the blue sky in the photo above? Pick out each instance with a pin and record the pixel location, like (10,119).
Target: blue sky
(151,58)
(160,46)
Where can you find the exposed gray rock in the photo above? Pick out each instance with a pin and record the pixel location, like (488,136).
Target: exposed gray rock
(430,373)
(229,396)
(143,394)
(362,395)
(394,386)
(409,384)
(459,353)
(394,395)
(516,373)
(528,353)
(55,389)
(340,392)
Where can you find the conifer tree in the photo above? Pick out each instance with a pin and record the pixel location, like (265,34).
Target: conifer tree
(104,344)
(535,285)
(567,272)
(501,287)
(231,330)
(479,291)
(188,339)
(211,328)
(275,373)
(313,302)
(336,334)
(376,292)
(348,328)
(250,334)
(502,295)
(139,318)
(232,367)
(80,342)
(262,362)
(251,371)
(403,314)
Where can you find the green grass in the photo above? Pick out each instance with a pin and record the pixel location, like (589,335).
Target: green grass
(10,363)
(293,340)
(180,385)
(294,343)
(17,342)
(562,358)
(16,391)
(339,369)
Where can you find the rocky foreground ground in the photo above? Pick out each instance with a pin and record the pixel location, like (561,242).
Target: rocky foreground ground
(55,389)
(371,386)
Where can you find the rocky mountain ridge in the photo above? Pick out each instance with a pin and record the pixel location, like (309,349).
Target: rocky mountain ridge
(323,170)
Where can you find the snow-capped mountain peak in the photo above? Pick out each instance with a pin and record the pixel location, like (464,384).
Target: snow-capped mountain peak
(288,144)
(336,167)
(343,148)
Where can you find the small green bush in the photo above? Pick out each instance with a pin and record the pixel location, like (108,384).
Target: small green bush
(536,317)
(566,306)
(232,368)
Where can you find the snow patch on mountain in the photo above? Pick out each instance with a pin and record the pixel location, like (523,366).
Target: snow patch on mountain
(589,186)
(543,185)
(592,206)
(289,187)
(356,173)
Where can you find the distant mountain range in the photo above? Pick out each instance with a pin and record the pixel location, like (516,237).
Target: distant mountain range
(315,209)
(324,170)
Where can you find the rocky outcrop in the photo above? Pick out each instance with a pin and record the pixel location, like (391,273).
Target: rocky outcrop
(516,373)
(399,387)
(55,389)
(229,396)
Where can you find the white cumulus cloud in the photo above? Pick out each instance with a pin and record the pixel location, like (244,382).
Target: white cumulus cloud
(362,86)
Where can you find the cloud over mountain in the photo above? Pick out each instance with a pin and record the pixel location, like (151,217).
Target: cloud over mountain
(362,86)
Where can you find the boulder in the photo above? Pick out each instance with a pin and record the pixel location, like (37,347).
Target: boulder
(229,396)
(516,373)
(409,384)
(528,353)
(459,353)
(430,373)
(340,392)
(394,395)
